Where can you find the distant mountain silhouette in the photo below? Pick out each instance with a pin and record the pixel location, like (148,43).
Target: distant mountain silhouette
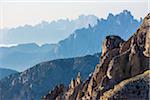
(24,56)
(81,42)
(6,72)
(46,32)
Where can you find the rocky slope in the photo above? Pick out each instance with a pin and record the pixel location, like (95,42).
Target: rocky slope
(120,60)
(135,88)
(38,80)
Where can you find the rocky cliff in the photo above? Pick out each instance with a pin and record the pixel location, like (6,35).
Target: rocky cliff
(120,60)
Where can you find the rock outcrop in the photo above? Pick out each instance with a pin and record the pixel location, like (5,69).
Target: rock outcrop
(110,43)
(135,88)
(120,60)
(56,93)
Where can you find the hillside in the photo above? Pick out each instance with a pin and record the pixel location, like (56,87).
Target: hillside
(41,78)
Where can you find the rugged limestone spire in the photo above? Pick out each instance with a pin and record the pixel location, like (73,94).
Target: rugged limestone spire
(72,84)
(78,78)
(76,82)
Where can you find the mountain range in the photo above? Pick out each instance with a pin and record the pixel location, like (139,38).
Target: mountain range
(81,42)
(41,78)
(45,32)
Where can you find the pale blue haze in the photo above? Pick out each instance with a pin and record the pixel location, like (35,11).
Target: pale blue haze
(81,42)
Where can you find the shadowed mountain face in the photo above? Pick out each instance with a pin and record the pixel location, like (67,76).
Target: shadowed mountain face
(6,72)
(38,80)
(120,60)
(80,43)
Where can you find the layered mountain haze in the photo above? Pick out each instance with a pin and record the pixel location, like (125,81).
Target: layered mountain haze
(25,56)
(81,42)
(46,32)
(122,73)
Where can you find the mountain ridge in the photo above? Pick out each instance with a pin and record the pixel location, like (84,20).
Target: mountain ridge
(81,42)
(48,32)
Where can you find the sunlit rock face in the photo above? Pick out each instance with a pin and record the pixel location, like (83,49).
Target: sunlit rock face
(110,43)
(135,88)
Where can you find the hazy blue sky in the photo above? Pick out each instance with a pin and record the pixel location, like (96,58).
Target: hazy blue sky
(13,14)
